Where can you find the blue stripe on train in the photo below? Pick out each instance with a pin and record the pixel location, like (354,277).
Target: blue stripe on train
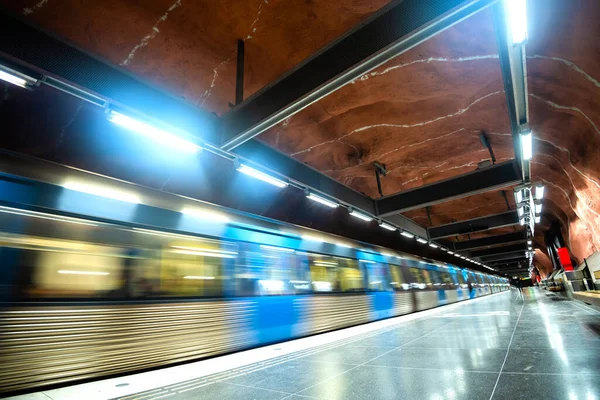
(275,318)
(382,304)
(442,298)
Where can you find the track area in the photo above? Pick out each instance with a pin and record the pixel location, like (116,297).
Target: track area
(493,347)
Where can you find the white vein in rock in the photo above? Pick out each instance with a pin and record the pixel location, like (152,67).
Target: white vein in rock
(37,6)
(153,33)
(426,61)
(561,107)
(402,126)
(570,64)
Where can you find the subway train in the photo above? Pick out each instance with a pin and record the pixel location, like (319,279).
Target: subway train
(102,277)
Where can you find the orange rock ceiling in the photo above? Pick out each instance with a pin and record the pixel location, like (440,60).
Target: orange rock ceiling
(420,114)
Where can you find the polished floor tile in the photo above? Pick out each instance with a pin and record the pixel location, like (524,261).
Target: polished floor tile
(462,342)
(488,360)
(557,360)
(547,387)
(224,391)
(368,383)
(348,354)
(292,376)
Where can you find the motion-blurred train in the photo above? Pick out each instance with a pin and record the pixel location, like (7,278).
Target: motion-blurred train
(101,277)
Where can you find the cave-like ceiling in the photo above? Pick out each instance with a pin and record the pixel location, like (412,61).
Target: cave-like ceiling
(421,114)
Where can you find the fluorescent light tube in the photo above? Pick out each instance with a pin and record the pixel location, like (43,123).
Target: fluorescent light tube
(102,191)
(275,248)
(538,208)
(421,240)
(262,176)
(516,18)
(71,272)
(205,215)
(158,135)
(14,79)
(407,234)
(361,216)
(322,200)
(526,146)
(435,246)
(539,192)
(387,226)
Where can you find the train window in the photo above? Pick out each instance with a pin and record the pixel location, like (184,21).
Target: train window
(460,277)
(267,270)
(377,275)
(51,268)
(334,274)
(195,268)
(397,279)
(421,278)
(446,278)
(435,278)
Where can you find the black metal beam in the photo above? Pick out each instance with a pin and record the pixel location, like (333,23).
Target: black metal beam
(498,250)
(479,181)
(507,238)
(501,257)
(474,225)
(391,31)
(514,74)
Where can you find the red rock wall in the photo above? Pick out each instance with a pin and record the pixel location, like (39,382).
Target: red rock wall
(420,114)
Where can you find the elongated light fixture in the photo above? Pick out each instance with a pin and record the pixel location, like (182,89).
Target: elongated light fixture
(538,218)
(519,196)
(205,215)
(539,192)
(521,211)
(155,134)
(16,78)
(421,240)
(321,200)
(243,168)
(529,242)
(538,208)
(526,145)
(275,248)
(407,234)
(72,272)
(387,226)
(450,252)
(516,11)
(359,215)
(102,191)
(435,246)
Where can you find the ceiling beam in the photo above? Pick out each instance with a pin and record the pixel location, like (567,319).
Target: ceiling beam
(394,29)
(507,238)
(514,75)
(479,181)
(78,73)
(508,218)
(498,250)
(506,256)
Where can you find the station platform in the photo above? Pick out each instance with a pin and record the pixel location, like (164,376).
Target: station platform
(495,347)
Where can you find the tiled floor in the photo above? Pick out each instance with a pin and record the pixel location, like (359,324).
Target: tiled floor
(497,348)
(494,348)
